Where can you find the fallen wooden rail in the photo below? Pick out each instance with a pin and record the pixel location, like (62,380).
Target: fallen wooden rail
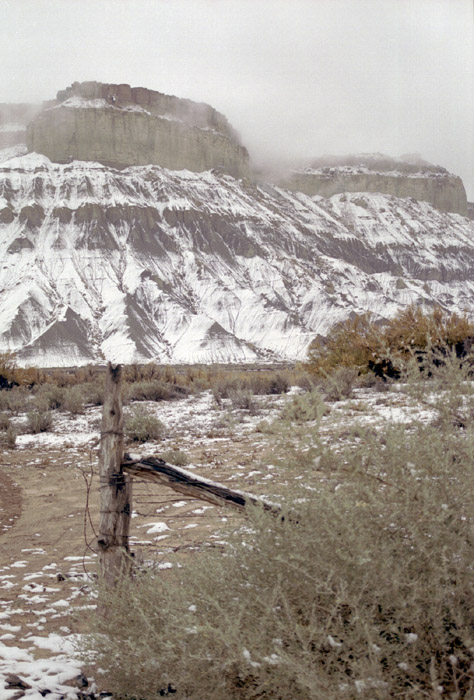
(190,485)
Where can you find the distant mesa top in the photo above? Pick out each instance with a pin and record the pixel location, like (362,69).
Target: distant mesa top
(119,126)
(406,176)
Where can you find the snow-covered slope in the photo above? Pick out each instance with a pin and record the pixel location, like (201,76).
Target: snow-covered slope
(146,263)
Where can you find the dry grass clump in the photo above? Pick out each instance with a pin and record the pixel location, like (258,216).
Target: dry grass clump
(225,384)
(305,407)
(244,400)
(49,397)
(18,399)
(74,400)
(4,421)
(8,434)
(152,390)
(175,456)
(366,345)
(141,426)
(39,422)
(362,590)
(94,391)
(340,384)
(8,437)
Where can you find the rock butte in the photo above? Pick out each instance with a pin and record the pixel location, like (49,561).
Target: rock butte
(120,126)
(400,177)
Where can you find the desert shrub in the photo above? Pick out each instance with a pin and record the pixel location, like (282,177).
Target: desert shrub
(8,437)
(305,380)
(39,422)
(176,457)
(304,407)
(151,390)
(18,399)
(224,387)
(412,328)
(62,378)
(351,343)
(363,344)
(371,381)
(74,400)
(94,391)
(268,382)
(4,403)
(28,376)
(141,426)
(86,375)
(49,397)
(243,399)
(4,421)
(138,373)
(339,384)
(360,591)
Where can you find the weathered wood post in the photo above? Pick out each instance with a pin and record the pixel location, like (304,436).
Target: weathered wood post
(115,486)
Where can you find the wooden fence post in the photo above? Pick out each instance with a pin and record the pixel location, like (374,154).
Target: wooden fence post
(115,486)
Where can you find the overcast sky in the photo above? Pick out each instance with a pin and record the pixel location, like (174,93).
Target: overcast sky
(297,78)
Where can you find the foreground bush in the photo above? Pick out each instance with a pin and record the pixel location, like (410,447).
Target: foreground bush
(363,589)
(141,426)
(363,344)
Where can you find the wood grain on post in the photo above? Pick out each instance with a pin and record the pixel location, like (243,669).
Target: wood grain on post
(115,486)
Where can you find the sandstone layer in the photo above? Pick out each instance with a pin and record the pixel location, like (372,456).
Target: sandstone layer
(420,180)
(122,126)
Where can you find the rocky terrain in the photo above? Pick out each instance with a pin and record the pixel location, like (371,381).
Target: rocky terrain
(120,126)
(148,263)
(400,177)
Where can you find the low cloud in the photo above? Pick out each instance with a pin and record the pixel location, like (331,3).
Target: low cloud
(298,79)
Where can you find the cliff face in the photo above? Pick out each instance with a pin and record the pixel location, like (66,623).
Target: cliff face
(121,126)
(379,173)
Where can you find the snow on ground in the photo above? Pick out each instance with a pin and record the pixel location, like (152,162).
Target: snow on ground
(37,636)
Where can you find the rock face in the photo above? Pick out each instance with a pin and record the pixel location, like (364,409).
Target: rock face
(121,126)
(145,263)
(399,177)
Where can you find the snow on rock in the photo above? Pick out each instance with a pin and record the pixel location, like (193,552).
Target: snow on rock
(150,264)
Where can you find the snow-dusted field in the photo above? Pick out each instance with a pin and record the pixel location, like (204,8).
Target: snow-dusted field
(46,565)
